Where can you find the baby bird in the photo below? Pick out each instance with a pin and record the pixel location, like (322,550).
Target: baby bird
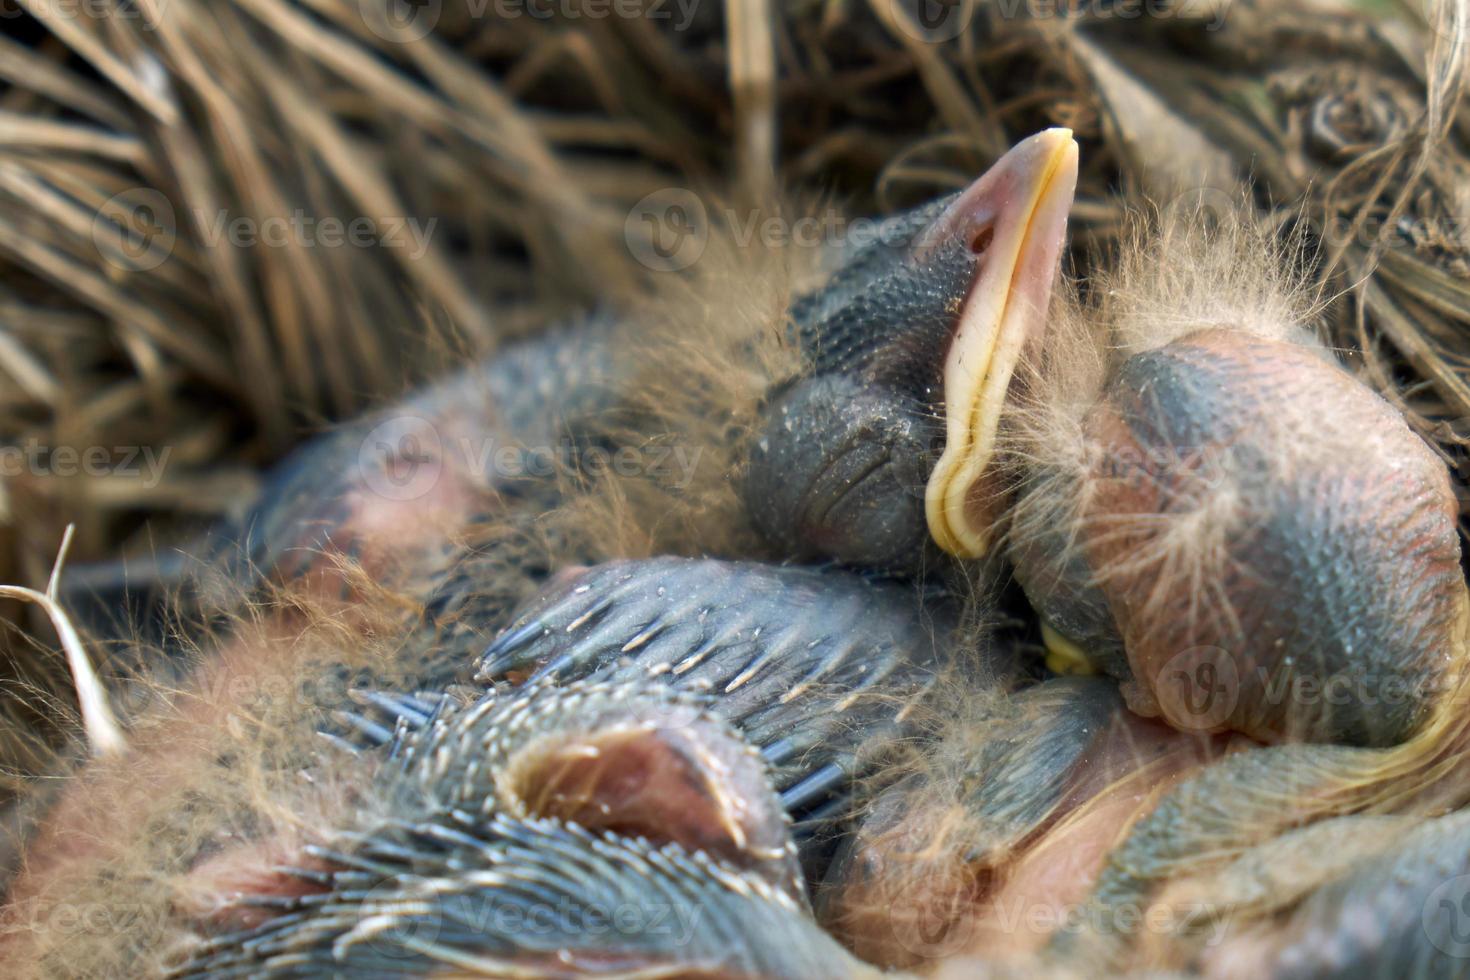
(1193,496)
(592,828)
(390,493)
(1196,498)
(1210,508)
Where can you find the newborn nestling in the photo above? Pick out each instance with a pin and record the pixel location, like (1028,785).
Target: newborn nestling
(1217,513)
(560,831)
(1196,498)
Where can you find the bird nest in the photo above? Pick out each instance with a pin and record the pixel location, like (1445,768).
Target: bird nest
(224,225)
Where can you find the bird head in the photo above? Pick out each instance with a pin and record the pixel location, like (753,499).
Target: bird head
(912,346)
(1213,509)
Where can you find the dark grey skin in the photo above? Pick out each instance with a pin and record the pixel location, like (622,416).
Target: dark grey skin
(1404,915)
(561,386)
(536,395)
(533,395)
(812,667)
(1362,897)
(837,470)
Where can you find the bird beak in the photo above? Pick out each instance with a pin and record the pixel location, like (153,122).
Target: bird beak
(1015,217)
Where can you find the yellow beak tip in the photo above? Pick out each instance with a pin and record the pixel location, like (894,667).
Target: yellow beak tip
(1065,657)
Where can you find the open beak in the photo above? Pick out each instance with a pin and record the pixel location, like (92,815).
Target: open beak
(1015,216)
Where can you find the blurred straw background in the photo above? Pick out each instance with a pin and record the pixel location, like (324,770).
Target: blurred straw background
(495,150)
